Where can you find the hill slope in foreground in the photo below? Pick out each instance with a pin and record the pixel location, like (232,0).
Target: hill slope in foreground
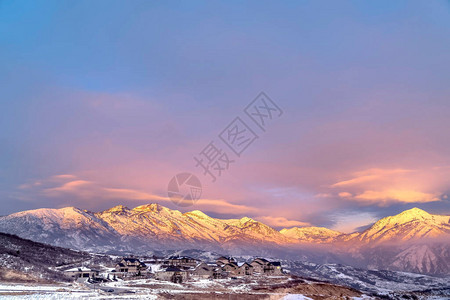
(28,261)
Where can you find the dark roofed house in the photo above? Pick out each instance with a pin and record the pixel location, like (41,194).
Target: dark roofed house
(273,268)
(261,260)
(231,268)
(172,273)
(181,261)
(258,266)
(203,271)
(221,261)
(154,260)
(245,269)
(263,266)
(131,266)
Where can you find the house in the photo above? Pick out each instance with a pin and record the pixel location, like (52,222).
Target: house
(231,268)
(203,271)
(172,273)
(181,261)
(81,272)
(219,273)
(154,260)
(244,269)
(131,266)
(221,261)
(258,265)
(263,266)
(273,268)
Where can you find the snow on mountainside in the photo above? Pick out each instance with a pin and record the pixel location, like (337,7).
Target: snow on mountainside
(67,227)
(311,234)
(413,240)
(424,259)
(408,225)
(121,228)
(171,226)
(258,230)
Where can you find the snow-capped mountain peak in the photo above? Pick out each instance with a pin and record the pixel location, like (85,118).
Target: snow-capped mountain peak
(153,207)
(197,213)
(116,209)
(412,214)
(408,225)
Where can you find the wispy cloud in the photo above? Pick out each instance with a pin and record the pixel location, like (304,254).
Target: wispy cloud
(383,187)
(86,191)
(281,222)
(386,197)
(369,176)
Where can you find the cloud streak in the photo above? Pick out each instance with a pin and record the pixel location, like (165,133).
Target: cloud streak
(86,191)
(281,222)
(384,187)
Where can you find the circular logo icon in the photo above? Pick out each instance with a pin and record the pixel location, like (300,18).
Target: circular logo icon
(184,189)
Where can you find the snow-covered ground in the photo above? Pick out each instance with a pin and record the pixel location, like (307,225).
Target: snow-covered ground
(153,289)
(296,297)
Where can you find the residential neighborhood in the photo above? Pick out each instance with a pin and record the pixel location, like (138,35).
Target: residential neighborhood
(179,269)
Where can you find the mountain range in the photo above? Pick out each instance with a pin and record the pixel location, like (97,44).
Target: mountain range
(413,240)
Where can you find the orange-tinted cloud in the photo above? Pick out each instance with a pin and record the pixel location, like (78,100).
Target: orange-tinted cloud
(345,195)
(396,196)
(383,187)
(88,190)
(370,175)
(281,222)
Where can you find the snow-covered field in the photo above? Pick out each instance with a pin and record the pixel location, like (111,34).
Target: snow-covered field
(154,289)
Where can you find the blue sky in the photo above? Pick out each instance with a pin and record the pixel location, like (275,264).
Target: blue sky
(119,96)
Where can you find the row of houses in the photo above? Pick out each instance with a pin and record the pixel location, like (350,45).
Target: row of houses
(180,268)
(258,266)
(126,267)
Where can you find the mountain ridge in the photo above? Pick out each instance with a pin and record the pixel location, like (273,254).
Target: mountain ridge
(153,226)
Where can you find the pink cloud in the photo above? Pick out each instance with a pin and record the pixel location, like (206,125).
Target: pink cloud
(389,196)
(383,187)
(281,222)
(87,190)
(370,175)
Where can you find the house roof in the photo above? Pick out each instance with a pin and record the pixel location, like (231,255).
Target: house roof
(180,257)
(172,269)
(201,264)
(127,259)
(246,264)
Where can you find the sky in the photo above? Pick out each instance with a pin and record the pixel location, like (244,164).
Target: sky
(103,102)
